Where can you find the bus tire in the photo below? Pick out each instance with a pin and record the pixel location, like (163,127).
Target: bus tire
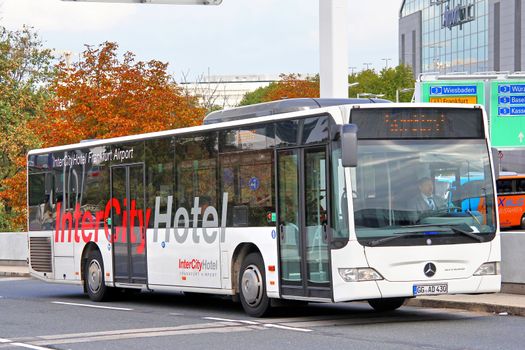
(252,286)
(522,222)
(94,278)
(386,304)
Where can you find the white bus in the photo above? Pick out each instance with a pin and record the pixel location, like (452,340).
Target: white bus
(311,200)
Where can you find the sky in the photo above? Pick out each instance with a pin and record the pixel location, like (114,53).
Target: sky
(236,37)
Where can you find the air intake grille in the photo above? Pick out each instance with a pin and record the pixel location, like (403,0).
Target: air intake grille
(40,254)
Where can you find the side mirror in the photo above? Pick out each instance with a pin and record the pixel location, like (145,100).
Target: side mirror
(348,134)
(496,162)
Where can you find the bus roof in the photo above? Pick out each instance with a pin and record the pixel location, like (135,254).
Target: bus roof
(322,104)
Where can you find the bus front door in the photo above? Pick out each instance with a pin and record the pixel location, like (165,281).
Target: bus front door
(128,223)
(302,223)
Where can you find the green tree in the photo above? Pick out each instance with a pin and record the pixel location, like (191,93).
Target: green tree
(386,83)
(25,70)
(258,95)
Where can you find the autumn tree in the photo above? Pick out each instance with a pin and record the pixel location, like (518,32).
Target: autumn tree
(25,71)
(290,86)
(103,96)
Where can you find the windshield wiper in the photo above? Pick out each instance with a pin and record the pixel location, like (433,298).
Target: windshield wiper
(467,233)
(454,229)
(380,241)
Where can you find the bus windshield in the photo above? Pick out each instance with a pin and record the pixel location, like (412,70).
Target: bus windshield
(436,189)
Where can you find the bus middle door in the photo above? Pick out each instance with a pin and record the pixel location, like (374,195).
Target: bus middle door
(128,224)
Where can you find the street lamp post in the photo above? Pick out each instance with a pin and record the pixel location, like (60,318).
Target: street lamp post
(402,90)
(367,65)
(386,62)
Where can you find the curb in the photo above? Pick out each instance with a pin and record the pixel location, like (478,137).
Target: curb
(469,306)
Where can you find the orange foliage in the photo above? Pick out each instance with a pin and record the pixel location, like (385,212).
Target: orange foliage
(15,194)
(101,97)
(292,86)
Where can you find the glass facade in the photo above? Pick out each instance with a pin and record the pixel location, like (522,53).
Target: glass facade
(454,34)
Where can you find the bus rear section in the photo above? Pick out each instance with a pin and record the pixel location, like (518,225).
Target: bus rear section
(423,205)
(511,201)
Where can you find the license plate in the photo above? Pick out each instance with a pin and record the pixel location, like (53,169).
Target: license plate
(429,289)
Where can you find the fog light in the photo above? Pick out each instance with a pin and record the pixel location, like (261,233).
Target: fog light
(360,274)
(489,268)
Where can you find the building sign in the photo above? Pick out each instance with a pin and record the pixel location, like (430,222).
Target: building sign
(507,111)
(453,92)
(457,16)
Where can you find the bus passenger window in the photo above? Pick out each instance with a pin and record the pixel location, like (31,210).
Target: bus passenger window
(504,186)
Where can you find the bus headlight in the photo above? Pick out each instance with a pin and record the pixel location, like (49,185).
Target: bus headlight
(489,268)
(360,274)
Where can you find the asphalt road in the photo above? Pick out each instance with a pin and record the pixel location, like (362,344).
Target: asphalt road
(37,315)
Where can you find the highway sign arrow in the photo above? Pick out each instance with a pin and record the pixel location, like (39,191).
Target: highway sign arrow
(520,136)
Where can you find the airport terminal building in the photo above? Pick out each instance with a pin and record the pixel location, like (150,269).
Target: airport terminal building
(447,36)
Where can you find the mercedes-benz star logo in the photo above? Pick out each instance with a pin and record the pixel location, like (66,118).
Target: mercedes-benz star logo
(429,270)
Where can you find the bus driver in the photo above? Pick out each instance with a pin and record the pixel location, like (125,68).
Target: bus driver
(425,200)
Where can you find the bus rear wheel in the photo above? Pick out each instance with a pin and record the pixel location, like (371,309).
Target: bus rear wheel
(252,286)
(387,304)
(94,278)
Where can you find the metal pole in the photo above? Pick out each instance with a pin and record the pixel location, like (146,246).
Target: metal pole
(333,47)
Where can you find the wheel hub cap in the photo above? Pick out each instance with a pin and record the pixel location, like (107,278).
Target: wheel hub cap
(94,276)
(252,285)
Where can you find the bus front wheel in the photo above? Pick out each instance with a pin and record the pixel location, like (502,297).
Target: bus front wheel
(387,304)
(94,278)
(252,286)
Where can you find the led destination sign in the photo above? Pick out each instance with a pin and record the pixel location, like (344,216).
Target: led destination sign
(388,123)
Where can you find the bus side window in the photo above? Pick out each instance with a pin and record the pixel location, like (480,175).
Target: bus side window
(520,185)
(504,186)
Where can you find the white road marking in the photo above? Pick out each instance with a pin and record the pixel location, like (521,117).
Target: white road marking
(29,346)
(267,325)
(145,333)
(4,340)
(230,320)
(287,328)
(93,306)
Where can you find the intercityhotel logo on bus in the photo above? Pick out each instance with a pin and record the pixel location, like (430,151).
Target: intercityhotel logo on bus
(84,158)
(176,223)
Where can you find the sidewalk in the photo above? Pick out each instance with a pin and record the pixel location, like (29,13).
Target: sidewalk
(499,303)
(14,271)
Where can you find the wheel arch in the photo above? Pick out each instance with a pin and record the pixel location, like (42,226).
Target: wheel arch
(240,252)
